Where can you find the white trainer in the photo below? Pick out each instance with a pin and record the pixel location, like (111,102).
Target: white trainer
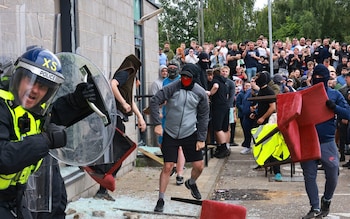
(246,151)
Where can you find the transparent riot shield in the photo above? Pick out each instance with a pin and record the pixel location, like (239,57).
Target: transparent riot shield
(39,188)
(87,139)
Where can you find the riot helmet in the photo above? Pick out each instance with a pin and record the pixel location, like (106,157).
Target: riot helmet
(6,70)
(36,79)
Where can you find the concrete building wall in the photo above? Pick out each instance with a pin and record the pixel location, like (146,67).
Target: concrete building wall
(105,33)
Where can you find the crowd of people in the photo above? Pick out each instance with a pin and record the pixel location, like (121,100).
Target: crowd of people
(201,93)
(231,73)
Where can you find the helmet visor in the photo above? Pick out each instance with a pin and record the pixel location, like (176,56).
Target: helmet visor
(34,88)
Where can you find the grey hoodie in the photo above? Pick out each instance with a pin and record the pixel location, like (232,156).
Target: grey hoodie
(158,84)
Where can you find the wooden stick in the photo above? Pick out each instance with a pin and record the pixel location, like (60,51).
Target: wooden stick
(262,98)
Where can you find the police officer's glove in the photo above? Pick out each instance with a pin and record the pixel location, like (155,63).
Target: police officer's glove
(84,92)
(55,135)
(330,104)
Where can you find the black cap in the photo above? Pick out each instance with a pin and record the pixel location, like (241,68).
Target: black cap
(187,73)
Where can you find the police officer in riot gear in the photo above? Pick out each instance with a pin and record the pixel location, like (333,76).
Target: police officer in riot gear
(24,139)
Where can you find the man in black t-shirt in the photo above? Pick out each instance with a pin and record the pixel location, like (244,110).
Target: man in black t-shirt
(232,57)
(264,109)
(219,97)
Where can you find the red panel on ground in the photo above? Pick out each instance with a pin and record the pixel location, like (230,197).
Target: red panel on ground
(221,210)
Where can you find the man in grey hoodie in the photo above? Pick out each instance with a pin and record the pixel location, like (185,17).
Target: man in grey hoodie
(158,83)
(186,126)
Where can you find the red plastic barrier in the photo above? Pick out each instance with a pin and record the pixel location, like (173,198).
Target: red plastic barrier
(220,210)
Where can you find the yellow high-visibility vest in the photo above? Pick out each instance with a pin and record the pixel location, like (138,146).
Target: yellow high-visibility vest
(274,146)
(22,176)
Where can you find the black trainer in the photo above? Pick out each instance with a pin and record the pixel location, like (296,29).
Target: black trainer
(342,158)
(325,207)
(313,213)
(223,152)
(194,190)
(103,195)
(347,164)
(160,205)
(179,180)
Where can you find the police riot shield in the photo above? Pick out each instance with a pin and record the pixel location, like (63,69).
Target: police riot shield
(87,139)
(39,190)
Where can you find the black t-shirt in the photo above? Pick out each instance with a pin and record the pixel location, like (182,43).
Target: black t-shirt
(220,98)
(233,63)
(121,77)
(263,106)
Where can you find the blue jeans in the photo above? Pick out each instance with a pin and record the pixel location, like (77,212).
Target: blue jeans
(330,163)
(251,72)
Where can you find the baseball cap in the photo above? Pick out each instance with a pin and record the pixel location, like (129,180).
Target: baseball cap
(187,73)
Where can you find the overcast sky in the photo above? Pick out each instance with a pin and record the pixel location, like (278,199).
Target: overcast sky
(259,4)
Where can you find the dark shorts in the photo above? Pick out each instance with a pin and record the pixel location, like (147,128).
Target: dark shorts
(170,148)
(220,119)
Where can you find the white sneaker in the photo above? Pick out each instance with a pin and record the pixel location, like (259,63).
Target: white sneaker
(246,151)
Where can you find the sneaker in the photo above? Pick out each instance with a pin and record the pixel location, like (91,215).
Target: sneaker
(222,153)
(160,205)
(173,171)
(278,177)
(313,213)
(258,167)
(320,167)
(194,190)
(104,196)
(179,180)
(325,207)
(342,158)
(347,164)
(233,144)
(246,151)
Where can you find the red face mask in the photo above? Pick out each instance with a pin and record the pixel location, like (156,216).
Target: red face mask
(186,81)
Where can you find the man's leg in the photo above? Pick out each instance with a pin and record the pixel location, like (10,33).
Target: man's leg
(221,149)
(330,162)
(165,176)
(180,167)
(310,175)
(163,183)
(197,168)
(170,154)
(342,141)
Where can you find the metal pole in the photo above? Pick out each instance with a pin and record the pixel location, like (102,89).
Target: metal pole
(270,37)
(198,22)
(202,22)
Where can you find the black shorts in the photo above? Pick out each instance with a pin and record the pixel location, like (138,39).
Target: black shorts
(170,148)
(220,119)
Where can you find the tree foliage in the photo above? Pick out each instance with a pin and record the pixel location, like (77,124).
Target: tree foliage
(236,20)
(228,19)
(178,22)
(309,18)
